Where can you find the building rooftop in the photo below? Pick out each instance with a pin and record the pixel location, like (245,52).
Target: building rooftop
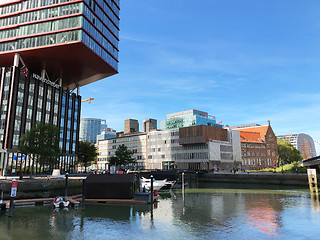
(188,112)
(260,130)
(250,137)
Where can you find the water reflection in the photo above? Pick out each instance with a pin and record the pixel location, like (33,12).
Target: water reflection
(199,214)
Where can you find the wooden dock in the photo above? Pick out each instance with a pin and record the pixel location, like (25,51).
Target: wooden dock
(74,200)
(30,202)
(115,201)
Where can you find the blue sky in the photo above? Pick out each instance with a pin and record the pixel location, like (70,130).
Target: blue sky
(243,61)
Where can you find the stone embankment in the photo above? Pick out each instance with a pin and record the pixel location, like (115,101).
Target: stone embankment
(257,178)
(41,187)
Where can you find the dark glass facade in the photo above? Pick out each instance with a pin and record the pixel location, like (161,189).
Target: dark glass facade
(26,101)
(65,44)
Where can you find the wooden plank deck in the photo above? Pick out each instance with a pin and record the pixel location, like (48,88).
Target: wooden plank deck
(114,201)
(76,199)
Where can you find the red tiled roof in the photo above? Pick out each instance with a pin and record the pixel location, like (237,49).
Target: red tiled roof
(253,134)
(250,137)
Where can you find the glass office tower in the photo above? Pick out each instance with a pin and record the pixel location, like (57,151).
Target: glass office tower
(188,118)
(49,48)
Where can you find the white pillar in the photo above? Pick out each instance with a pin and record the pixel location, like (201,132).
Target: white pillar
(43,73)
(16,60)
(78,90)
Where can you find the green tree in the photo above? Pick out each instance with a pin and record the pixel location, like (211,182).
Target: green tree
(42,142)
(287,152)
(123,157)
(87,153)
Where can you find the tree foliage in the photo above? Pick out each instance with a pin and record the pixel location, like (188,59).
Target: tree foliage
(42,141)
(87,153)
(287,152)
(123,157)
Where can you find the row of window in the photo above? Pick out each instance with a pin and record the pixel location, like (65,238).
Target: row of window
(226,156)
(253,145)
(41,41)
(29,4)
(115,7)
(111,29)
(97,9)
(41,14)
(226,148)
(259,161)
(100,38)
(188,156)
(99,50)
(41,27)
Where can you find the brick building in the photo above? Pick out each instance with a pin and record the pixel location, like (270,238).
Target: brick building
(258,146)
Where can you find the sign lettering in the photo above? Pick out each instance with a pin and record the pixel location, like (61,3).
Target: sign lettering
(45,81)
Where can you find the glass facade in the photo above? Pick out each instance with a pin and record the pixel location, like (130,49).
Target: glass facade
(187,119)
(33,100)
(36,23)
(90,128)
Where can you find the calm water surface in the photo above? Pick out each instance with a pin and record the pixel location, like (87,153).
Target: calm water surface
(203,213)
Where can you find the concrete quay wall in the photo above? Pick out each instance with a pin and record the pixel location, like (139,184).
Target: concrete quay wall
(257,178)
(41,188)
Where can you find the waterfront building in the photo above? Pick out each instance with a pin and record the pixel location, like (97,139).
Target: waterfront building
(90,128)
(149,125)
(47,50)
(26,101)
(303,142)
(131,126)
(258,146)
(195,148)
(109,133)
(135,142)
(188,118)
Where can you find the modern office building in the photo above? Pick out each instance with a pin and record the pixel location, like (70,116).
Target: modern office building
(303,142)
(194,148)
(188,118)
(258,146)
(131,126)
(73,40)
(90,128)
(149,124)
(47,50)
(135,142)
(26,101)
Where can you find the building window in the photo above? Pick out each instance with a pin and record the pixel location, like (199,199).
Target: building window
(30,100)
(39,105)
(38,117)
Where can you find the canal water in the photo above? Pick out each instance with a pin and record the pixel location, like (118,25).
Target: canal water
(207,212)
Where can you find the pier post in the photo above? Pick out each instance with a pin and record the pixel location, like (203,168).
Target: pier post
(11,206)
(66,185)
(197,179)
(313,184)
(151,188)
(13,195)
(182,182)
(83,204)
(182,186)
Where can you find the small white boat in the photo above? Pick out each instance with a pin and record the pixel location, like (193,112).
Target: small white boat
(145,183)
(60,202)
